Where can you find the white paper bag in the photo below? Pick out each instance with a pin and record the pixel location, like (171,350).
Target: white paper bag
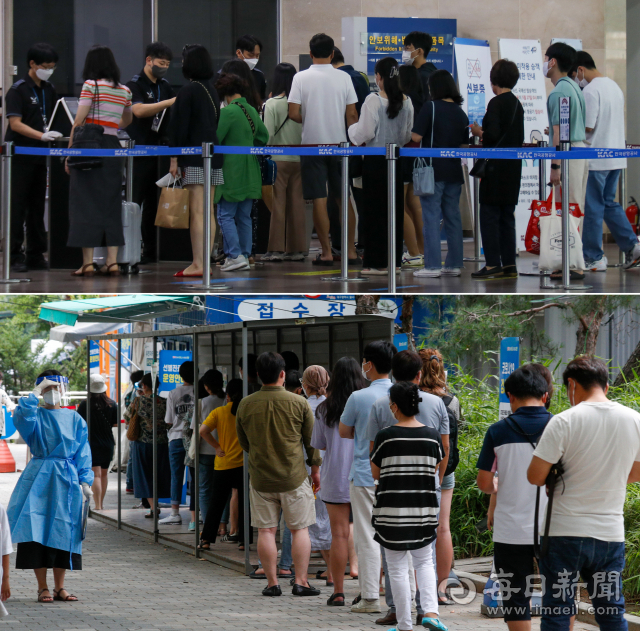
(551,243)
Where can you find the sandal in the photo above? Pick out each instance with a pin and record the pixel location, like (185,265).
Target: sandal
(204,545)
(112,272)
(45,599)
(573,275)
(88,273)
(320,261)
(319,573)
(443,599)
(332,602)
(69,598)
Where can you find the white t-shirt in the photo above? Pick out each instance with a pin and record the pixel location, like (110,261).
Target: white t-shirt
(323,92)
(597,444)
(604,101)
(179,410)
(6,547)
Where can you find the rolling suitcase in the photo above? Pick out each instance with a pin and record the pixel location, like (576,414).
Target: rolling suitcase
(130,253)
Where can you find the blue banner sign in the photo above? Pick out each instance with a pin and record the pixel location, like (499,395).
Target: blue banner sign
(509,361)
(169,373)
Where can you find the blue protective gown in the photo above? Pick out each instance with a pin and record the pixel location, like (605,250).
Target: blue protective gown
(46,505)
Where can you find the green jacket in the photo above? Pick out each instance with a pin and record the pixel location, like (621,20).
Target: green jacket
(242,177)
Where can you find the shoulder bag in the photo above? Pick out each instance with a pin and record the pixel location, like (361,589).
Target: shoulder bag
(133,431)
(480,165)
(88,136)
(268,167)
(424,182)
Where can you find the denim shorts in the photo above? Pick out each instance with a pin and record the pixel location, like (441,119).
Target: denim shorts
(449,482)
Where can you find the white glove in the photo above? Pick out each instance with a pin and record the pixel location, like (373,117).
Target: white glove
(50,135)
(45,383)
(86,489)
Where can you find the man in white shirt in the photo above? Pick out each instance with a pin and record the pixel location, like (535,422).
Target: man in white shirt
(597,443)
(320,98)
(604,121)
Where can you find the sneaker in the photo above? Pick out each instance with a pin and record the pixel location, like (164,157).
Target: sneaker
(413,261)
(632,257)
(174,520)
(129,491)
(367,605)
(372,271)
(37,263)
(239,263)
(428,272)
(293,256)
(273,256)
(488,274)
(434,623)
(451,271)
(598,266)
(192,526)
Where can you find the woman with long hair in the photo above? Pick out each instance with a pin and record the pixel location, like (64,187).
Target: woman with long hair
(95,195)
(194,120)
(104,416)
(434,381)
(386,117)
(287,230)
(443,124)
(240,68)
(346,378)
(229,466)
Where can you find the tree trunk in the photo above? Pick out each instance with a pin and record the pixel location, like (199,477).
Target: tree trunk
(627,373)
(367,305)
(589,328)
(406,319)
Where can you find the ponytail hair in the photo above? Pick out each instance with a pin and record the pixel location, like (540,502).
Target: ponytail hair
(234,392)
(387,68)
(406,396)
(433,375)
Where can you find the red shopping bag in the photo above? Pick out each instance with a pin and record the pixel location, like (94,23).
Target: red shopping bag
(543,209)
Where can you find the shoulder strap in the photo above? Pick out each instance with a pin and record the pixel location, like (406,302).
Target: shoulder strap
(253,127)
(513,118)
(433,124)
(281,126)
(215,109)
(446,399)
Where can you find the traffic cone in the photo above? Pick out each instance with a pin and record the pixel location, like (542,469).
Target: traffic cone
(7,461)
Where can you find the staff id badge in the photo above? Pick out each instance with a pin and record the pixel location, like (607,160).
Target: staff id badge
(157,121)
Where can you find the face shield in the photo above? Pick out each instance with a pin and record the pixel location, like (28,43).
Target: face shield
(54,389)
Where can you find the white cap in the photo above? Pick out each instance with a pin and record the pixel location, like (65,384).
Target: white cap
(97,384)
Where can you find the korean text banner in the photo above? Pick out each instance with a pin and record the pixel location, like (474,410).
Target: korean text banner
(532,92)
(473,63)
(509,361)
(169,373)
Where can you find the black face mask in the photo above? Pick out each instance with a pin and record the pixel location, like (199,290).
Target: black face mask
(158,72)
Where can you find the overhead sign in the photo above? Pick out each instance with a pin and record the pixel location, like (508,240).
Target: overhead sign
(509,361)
(273,308)
(531,89)
(169,375)
(473,63)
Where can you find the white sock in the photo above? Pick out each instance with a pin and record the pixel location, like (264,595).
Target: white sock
(174,511)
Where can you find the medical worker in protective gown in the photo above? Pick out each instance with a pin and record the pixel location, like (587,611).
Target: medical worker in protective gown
(45,511)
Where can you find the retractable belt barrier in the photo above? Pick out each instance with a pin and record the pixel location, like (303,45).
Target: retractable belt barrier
(391,152)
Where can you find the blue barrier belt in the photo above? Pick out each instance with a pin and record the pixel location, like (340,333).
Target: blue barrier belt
(69,463)
(587,153)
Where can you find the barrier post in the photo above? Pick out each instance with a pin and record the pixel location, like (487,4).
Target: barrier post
(477,238)
(565,145)
(542,195)
(118,396)
(195,483)
(154,394)
(128,191)
(7,156)
(248,568)
(344,233)
(207,155)
(622,198)
(392,160)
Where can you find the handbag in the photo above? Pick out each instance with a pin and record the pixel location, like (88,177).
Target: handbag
(551,243)
(133,431)
(424,182)
(87,136)
(268,167)
(173,208)
(480,165)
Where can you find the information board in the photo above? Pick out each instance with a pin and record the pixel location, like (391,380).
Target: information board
(473,64)
(509,361)
(169,374)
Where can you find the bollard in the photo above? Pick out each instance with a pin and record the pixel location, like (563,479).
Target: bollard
(622,198)
(119,395)
(542,194)
(392,159)
(344,233)
(477,238)
(248,568)
(128,191)
(7,156)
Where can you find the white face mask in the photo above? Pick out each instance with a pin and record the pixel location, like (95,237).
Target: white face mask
(407,59)
(364,372)
(52,397)
(43,74)
(304,390)
(250,62)
(545,68)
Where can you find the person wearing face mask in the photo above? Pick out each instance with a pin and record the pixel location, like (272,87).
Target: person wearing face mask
(354,424)
(45,511)
(194,120)
(416,50)
(558,61)
(249,49)
(604,101)
(29,106)
(240,125)
(597,442)
(151,97)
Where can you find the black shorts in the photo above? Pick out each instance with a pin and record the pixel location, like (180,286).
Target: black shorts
(515,559)
(318,172)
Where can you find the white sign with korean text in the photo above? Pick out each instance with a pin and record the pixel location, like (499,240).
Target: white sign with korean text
(565,119)
(273,308)
(473,63)
(531,90)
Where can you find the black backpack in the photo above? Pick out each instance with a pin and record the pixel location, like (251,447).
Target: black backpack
(454,453)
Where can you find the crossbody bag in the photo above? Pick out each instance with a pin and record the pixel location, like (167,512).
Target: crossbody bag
(268,167)
(424,181)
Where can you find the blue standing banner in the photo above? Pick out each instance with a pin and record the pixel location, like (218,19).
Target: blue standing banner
(509,361)
(168,374)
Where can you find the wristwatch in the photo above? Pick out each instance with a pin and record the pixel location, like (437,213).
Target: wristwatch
(555,166)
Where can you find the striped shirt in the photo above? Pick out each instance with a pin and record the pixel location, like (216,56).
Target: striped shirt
(405,511)
(107,108)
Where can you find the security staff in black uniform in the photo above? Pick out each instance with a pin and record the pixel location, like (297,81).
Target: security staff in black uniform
(152,96)
(249,47)
(29,106)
